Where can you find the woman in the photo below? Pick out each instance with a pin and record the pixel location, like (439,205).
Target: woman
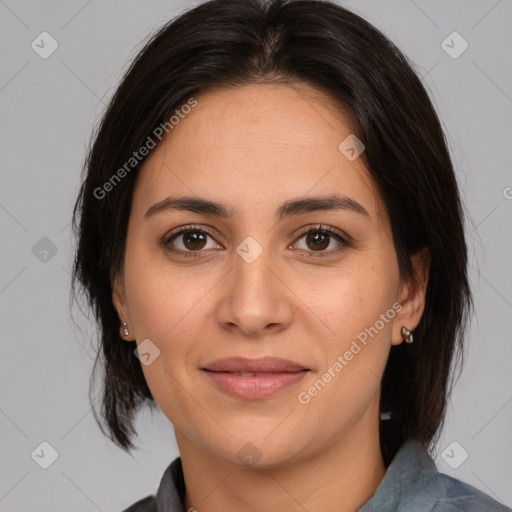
(271,237)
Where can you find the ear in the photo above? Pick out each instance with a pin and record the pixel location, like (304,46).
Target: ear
(120,303)
(412,296)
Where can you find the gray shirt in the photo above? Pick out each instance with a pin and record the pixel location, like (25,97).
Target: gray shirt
(411,484)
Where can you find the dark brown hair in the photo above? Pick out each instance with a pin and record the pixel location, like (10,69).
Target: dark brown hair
(229,43)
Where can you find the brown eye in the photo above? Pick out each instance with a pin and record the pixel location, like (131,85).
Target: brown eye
(188,241)
(194,240)
(319,238)
(317,241)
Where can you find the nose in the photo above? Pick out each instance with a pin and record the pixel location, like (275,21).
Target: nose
(255,299)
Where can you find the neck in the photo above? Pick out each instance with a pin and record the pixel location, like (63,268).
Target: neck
(342,478)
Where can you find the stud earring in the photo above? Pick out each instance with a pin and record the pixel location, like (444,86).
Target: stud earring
(125,329)
(407,335)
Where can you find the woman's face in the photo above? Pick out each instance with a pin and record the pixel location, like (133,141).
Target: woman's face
(256,284)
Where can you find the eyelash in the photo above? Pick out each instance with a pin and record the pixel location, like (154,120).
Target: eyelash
(166,241)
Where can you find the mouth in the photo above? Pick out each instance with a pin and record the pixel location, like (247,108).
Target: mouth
(253,374)
(254,379)
(263,365)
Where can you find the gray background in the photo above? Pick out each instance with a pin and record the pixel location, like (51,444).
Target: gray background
(48,108)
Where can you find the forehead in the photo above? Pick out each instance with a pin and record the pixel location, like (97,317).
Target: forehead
(253,146)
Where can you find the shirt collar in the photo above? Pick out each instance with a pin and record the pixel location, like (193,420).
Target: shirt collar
(407,481)
(171,492)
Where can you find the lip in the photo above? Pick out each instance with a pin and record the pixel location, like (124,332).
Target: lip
(262,365)
(272,375)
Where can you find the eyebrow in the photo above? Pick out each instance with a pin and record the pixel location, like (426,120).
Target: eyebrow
(287,209)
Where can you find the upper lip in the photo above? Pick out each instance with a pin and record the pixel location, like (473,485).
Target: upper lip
(262,365)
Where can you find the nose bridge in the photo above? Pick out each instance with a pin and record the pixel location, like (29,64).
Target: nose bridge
(252,275)
(254,298)
(252,269)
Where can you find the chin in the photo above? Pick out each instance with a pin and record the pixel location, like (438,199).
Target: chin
(259,452)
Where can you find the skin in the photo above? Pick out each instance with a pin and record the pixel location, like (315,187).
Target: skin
(252,148)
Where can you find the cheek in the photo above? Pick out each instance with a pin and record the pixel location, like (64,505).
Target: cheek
(354,357)
(355,300)
(163,298)
(359,311)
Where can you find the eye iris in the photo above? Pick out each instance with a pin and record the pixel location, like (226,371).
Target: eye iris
(320,241)
(194,237)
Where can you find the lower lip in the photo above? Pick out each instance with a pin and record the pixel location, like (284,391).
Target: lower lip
(257,386)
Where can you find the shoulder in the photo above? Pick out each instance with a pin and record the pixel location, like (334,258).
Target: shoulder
(454,495)
(147,504)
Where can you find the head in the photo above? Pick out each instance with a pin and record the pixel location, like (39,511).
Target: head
(254,106)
